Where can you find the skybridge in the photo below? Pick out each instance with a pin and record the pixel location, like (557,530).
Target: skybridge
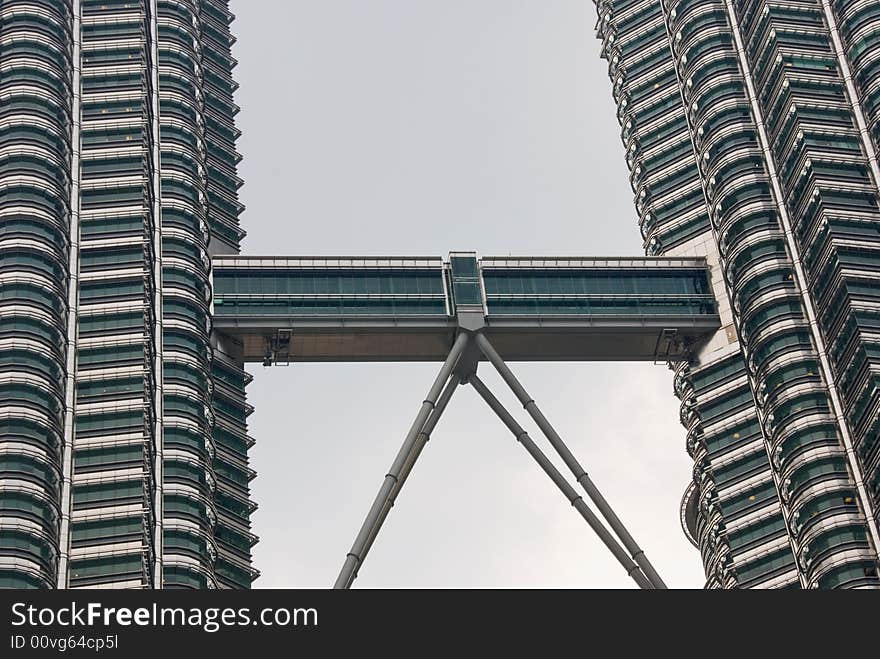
(463,311)
(295,309)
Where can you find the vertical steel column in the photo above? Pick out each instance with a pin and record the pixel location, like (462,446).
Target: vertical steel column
(570,493)
(72,309)
(159,323)
(580,474)
(401,465)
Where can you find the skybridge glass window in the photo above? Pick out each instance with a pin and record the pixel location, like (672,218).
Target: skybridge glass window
(595,282)
(225,306)
(328,282)
(599,306)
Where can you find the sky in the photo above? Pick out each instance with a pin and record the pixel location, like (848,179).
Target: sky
(420,127)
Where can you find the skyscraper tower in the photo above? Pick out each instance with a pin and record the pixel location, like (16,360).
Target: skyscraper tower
(117,184)
(751,130)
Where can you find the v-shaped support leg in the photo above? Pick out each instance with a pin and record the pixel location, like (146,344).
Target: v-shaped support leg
(570,493)
(418,434)
(571,462)
(450,376)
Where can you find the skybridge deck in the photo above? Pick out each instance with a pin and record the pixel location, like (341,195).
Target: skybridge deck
(409,308)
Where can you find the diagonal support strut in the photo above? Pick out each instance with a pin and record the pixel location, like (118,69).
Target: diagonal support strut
(570,493)
(421,440)
(428,414)
(571,462)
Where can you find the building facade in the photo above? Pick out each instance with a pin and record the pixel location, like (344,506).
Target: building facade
(117,184)
(751,130)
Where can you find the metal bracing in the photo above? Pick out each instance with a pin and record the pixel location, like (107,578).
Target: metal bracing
(401,467)
(571,462)
(460,368)
(414,454)
(570,493)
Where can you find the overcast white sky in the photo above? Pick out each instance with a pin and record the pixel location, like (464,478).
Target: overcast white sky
(420,127)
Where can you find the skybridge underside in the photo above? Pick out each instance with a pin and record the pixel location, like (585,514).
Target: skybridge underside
(401,340)
(409,309)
